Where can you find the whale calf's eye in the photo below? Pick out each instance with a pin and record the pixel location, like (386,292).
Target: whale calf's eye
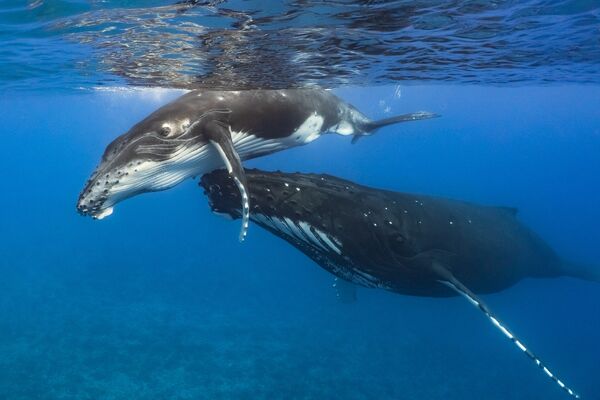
(165,130)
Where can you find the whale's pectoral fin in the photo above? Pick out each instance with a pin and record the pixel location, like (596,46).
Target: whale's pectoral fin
(447,278)
(345,291)
(220,137)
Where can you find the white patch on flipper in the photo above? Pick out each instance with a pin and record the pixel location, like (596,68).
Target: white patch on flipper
(503,329)
(509,334)
(520,345)
(241,188)
(506,332)
(245,209)
(472,301)
(223,156)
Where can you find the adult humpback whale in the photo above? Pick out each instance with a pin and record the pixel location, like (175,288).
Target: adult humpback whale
(203,130)
(410,244)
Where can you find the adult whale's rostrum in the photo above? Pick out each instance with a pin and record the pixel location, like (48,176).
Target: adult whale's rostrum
(410,244)
(204,130)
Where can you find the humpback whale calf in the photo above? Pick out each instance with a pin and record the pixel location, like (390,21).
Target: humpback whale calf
(410,244)
(204,130)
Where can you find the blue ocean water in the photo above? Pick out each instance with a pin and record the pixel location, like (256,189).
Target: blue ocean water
(160,300)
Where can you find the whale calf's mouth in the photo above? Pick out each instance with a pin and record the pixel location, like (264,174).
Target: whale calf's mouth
(104,213)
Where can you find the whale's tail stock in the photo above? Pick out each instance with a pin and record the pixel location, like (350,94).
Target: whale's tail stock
(369,127)
(581,271)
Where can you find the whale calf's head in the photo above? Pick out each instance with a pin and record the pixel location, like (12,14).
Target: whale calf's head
(156,154)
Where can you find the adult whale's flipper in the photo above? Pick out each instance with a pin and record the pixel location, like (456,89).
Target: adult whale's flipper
(370,126)
(447,278)
(219,136)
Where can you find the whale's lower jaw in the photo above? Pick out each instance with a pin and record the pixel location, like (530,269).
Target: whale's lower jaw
(104,213)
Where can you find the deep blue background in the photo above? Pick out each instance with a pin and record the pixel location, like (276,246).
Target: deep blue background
(161,301)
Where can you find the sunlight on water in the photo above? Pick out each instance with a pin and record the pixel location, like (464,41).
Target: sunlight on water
(156,94)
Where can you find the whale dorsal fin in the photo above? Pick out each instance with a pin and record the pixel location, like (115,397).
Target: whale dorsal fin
(448,279)
(219,136)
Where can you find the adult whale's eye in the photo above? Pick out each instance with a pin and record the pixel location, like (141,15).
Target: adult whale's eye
(165,130)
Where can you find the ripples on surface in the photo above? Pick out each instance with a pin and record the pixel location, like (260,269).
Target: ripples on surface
(248,44)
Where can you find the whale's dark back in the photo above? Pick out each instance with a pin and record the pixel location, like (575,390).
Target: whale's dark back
(389,235)
(269,114)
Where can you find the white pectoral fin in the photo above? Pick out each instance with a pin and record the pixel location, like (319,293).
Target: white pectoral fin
(223,156)
(449,280)
(220,138)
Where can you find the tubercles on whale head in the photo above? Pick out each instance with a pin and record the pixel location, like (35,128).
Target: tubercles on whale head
(156,154)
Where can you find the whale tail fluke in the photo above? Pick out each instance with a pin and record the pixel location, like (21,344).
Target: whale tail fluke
(370,126)
(582,271)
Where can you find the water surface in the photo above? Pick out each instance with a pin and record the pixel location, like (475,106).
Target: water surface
(275,44)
